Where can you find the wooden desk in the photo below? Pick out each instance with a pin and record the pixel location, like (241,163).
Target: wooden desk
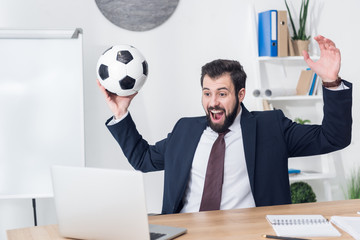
(247,223)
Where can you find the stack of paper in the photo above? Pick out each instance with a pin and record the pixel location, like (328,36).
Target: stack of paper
(351,225)
(302,226)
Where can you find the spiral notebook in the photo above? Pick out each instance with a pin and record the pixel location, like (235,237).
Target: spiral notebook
(302,226)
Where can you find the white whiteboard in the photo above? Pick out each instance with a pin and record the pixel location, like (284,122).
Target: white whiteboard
(41,108)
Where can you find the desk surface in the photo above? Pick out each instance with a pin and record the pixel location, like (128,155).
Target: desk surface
(247,223)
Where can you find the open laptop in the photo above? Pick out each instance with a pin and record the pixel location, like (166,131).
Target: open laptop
(94,203)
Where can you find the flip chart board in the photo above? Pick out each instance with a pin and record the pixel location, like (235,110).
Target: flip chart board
(41,108)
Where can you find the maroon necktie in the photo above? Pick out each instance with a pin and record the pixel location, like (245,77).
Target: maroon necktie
(214,178)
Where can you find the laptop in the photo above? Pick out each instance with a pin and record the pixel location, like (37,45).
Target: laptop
(106,204)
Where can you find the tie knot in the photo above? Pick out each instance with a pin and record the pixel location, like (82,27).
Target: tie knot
(222,134)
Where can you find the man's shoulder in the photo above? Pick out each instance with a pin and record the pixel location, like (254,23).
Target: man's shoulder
(266,114)
(191,123)
(196,118)
(192,120)
(189,126)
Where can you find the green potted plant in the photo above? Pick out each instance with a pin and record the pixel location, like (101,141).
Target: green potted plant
(353,185)
(301,121)
(300,39)
(301,192)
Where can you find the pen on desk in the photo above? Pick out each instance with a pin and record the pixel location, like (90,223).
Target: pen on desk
(284,238)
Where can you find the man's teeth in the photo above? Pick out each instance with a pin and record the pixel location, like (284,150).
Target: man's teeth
(216,111)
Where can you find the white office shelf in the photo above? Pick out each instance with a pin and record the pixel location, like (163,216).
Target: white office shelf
(310,176)
(295,98)
(290,58)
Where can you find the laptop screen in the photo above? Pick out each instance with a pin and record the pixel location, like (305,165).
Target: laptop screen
(94,203)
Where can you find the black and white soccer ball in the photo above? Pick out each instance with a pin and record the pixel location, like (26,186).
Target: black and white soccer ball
(122,70)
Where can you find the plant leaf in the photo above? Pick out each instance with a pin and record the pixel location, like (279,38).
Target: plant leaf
(305,17)
(300,33)
(291,21)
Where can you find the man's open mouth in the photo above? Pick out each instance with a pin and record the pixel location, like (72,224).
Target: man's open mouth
(216,114)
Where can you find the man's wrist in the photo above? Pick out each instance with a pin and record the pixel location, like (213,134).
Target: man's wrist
(115,120)
(120,114)
(120,117)
(333,84)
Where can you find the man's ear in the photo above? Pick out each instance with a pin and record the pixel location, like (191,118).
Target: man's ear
(241,94)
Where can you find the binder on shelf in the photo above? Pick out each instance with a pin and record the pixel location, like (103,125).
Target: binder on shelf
(267,29)
(282,33)
(291,51)
(304,82)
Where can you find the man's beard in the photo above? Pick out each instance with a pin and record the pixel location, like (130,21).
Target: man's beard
(229,119)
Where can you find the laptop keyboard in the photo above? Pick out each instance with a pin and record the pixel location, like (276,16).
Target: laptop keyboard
(154,235)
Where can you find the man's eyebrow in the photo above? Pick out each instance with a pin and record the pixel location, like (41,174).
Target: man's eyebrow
(223,88)
(218,89)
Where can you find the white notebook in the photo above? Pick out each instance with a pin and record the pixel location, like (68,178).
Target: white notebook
(302,226)
(351,225)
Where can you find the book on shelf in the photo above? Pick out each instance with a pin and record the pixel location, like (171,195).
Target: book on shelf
(314,85)
(266,105)
(302,226)
(293,172)
(304,82)
(316,90)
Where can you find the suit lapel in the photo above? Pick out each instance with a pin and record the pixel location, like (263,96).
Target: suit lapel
(248,127)
(184,163)
(193,140)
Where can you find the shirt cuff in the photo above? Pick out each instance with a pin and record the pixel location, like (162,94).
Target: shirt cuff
(114,121)
(342,86)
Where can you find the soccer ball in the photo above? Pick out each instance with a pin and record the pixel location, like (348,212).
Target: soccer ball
(122,70)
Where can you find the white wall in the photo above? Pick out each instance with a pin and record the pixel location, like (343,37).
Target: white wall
(198,32)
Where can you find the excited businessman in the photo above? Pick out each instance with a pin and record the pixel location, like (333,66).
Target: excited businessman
(252,148)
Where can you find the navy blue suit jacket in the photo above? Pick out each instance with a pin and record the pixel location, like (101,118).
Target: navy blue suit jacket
(269,140)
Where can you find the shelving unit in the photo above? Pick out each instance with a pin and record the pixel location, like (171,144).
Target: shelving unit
(294,98)
(284,72)
(289,58)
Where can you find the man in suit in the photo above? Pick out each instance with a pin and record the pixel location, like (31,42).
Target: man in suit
(258,144)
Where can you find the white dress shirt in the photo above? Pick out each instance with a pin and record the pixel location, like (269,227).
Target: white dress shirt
(236,191)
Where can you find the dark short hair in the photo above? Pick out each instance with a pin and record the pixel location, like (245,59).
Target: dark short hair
(218,67)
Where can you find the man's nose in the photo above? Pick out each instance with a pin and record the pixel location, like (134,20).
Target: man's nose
(214,101)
